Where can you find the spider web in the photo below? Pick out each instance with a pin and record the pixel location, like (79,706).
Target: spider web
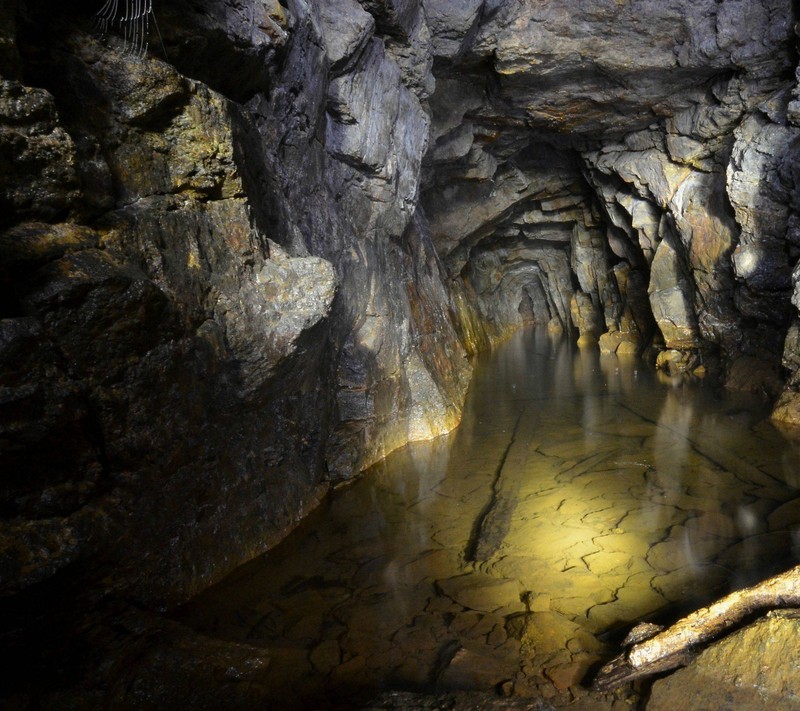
(132,19)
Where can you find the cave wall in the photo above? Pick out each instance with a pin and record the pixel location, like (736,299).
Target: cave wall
(218,299)
(672,130)
(241,269)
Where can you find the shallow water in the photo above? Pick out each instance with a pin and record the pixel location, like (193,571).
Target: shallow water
(580,494)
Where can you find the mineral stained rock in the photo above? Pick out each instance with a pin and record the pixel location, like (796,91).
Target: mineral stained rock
(217,298)
(749,669)
(245,267)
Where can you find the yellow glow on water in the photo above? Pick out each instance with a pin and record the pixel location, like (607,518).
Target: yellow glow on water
(579,494)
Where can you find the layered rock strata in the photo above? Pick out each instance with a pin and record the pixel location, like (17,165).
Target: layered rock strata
(670,128)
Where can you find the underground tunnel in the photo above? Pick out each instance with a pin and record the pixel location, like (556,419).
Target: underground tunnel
(396,354)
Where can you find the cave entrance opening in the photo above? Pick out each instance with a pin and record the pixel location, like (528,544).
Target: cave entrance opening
(581,493)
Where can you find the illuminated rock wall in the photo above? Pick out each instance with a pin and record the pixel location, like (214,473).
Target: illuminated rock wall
(218,298)
(653,144)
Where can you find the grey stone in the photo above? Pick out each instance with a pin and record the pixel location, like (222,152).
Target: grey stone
(451,23)
(540,51)
(232,46)
(671,297)
(253,262)
(39,178)
(346,28)
(394,17)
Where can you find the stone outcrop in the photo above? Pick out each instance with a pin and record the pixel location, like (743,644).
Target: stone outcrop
(746,670)
(677,122)
(217,299)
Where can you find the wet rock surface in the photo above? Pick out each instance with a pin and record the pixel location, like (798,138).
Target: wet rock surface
(672,174)
(753,668)
(189,307)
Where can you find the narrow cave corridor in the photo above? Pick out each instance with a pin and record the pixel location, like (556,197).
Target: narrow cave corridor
(255,253)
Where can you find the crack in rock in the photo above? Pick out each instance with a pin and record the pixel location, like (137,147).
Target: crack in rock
(492,524)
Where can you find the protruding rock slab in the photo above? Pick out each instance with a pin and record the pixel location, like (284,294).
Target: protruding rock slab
(756,668)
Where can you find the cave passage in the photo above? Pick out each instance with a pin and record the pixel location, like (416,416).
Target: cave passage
(581,493)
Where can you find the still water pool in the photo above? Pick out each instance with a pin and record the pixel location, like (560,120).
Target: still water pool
(579,495)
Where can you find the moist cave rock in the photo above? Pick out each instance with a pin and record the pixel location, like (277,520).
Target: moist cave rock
(241,269)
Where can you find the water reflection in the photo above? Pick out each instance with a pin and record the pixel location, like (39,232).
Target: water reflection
(580,493)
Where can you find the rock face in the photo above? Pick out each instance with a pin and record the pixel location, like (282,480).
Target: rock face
(248,265)
(748,670)
(217,298)
(666,133)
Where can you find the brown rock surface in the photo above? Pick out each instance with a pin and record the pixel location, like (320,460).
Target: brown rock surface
(754,668)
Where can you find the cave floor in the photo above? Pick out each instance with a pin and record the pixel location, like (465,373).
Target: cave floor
(580,494)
